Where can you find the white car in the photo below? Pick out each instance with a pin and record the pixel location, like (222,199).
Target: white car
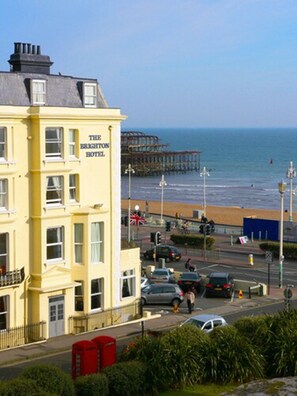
(206,322)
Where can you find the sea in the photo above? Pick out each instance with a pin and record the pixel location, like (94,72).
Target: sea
(244,165)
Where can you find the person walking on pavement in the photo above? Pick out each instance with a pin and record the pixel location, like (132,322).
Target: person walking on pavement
(190,300)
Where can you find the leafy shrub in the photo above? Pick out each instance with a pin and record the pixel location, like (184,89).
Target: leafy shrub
(150,352)
(193,240)
(231,358)
(185,350)
(21,387)
(91,385)
(281,345)
(126,378)
(50,378)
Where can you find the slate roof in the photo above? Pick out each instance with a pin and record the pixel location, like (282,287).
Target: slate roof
(62,91)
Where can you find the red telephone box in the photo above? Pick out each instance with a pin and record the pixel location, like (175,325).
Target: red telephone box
(84,358)
(107,347)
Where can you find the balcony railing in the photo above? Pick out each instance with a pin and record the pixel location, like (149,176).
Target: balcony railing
(109,317)
(12,277)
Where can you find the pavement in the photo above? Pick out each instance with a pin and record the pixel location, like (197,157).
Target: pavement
(159,322)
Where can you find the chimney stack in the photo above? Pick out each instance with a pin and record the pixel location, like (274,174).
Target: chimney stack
(27,58)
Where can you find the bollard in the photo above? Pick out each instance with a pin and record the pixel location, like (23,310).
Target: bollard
(251,259)
(175,308)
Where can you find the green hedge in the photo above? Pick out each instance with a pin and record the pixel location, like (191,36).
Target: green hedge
(50,378)
(21,387)
(289,249)
(92,385)
(193,240)
(126,379)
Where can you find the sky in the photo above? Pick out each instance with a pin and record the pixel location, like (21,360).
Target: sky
(170,63)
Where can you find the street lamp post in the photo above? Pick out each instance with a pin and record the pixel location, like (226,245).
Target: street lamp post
(129,170)
(291,173)
(162,184)
(281,188)
(203,174)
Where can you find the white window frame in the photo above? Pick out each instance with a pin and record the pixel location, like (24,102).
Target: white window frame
(38,88)
(52,141)
(4,324)
(4,252)
(56,186)
(79,296)
(58,242)
(96,293)
(3,144)
(90,94)
(78,242)
(3,194)
(73,191)
(128,282)
(97,236)
(72,136)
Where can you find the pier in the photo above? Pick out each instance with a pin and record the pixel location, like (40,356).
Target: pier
(148,156)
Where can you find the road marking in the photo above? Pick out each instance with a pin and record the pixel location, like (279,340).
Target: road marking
(209,266)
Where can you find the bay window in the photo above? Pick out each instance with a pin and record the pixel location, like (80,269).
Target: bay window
(128,283)
(97,242)
(78,243)
(96,293)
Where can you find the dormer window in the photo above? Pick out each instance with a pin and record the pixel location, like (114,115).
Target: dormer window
(38,89)
(90,95)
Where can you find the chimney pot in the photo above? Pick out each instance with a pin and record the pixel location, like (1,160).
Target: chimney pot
(38,50)
(29,48)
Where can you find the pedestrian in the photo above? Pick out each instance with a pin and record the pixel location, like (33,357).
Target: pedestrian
(190,300)
(192,267)
(188,263)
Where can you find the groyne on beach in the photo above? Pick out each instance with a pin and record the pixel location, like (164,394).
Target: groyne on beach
(229,215)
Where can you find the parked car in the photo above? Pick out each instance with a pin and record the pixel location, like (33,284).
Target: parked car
(187,280)
(167,252)
(162,293)
(144,282)
(162,275)
(206,322)
(219,284)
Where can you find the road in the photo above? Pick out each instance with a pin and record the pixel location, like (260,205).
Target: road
(63,359)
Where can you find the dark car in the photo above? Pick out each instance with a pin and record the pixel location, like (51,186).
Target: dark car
(219,284)
(162,293)
(187,280)
(167,252)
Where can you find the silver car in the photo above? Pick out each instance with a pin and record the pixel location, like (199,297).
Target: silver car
(162,293)
(162,275)
(206,322)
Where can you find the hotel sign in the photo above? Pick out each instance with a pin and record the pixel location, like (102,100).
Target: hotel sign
(95,148)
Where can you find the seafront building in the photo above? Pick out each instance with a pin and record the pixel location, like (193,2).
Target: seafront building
(62,269)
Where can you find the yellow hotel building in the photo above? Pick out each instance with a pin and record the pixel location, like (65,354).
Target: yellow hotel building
(61,264)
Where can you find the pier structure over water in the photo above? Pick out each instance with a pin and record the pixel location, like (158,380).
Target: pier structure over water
(149,156)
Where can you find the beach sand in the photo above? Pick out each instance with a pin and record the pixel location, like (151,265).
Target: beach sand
(230,215)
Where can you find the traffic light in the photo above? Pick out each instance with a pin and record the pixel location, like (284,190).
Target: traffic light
(201,228)
(168,226)
(126,221)
(158,238)
(153,237)
(207,229)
